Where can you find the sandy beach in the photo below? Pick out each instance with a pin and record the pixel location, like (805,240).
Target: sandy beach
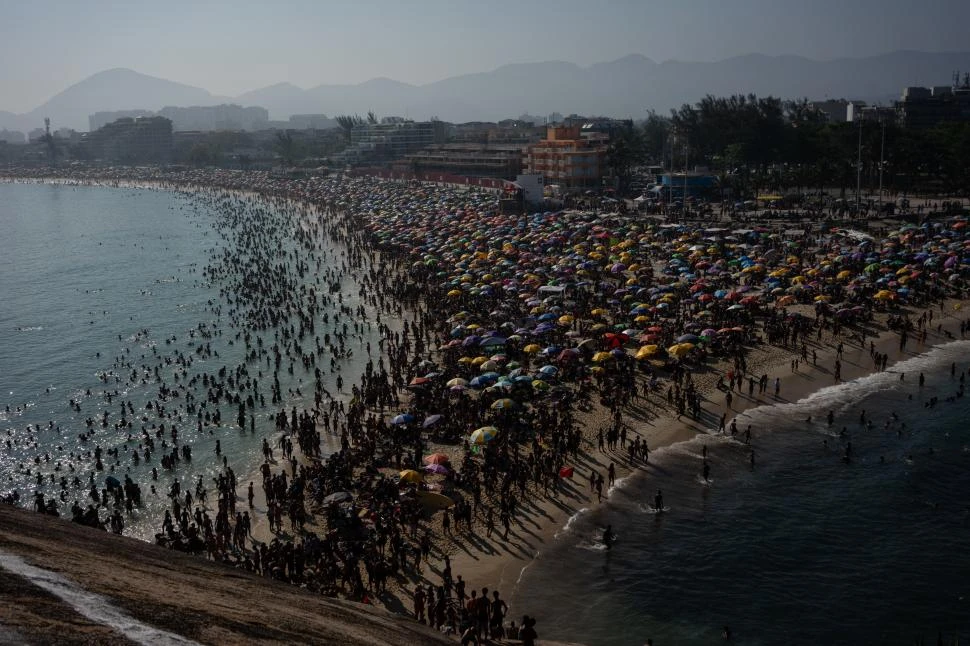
(501,563)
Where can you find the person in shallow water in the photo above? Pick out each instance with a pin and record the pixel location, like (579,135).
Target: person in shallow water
(609,537)
(658,501)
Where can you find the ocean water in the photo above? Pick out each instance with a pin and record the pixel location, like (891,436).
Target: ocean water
(93,280)
(803,548)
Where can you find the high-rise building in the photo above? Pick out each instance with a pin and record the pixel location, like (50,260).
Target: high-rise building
(923,107)
(127,140)
(568,159)
(385,142)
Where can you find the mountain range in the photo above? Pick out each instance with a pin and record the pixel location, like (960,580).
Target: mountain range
(628,87)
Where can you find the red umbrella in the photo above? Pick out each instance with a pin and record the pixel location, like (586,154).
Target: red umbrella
(566,472)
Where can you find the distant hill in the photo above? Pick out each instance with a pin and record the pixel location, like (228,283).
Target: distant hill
(116,89)
(627,87)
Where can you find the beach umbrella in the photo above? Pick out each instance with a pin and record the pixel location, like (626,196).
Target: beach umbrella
(680,350)
(687,338)
(440,469)
(457,381)
(492,341)
(412,476)
(566,472)
(404,418)
(431,420)
(338,497)
(419,381)
(433,501)
(504,404)
(599,357)
(647,351)
(436,458)
(532,348)
(483,435)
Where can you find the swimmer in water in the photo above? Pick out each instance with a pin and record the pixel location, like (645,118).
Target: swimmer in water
(658,501)
(609,537)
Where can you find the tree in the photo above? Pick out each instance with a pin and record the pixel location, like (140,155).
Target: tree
(624,153)
(50,141)
(286,147)
(656,130)
(347,123)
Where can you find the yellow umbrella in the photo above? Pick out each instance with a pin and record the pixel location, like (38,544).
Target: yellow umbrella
(647,351)
(432,500)
(602,356)
(454,292)
(532,348)
(410,475)
(883,295)
(599,311)
(566,319)
(477,361)
(681,349)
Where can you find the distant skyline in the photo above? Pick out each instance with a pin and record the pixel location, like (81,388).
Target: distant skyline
(233,47)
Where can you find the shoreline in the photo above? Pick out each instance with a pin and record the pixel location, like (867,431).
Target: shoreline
(502,567)
(552,516)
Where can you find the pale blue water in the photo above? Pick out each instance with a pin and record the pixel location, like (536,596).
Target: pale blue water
(83,271)
(804,549)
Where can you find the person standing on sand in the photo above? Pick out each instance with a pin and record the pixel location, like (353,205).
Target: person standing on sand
(777,387)
(419,604)
(498,610)
(612,473)
(527,632)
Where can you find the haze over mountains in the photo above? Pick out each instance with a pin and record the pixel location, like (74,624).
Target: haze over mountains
(628,87)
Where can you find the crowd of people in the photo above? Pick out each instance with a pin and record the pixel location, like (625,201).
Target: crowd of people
(500,337)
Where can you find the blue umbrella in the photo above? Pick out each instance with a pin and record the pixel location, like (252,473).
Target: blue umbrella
(404,418)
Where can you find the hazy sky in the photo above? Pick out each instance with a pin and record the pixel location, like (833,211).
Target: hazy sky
(231,47)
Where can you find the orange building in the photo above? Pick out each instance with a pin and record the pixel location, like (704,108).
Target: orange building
(566,158)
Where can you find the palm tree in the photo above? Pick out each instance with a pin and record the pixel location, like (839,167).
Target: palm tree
(286,147)
(50,142)
(347,123)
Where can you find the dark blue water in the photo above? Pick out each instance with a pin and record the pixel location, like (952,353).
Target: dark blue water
(84,272)
(801,549)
